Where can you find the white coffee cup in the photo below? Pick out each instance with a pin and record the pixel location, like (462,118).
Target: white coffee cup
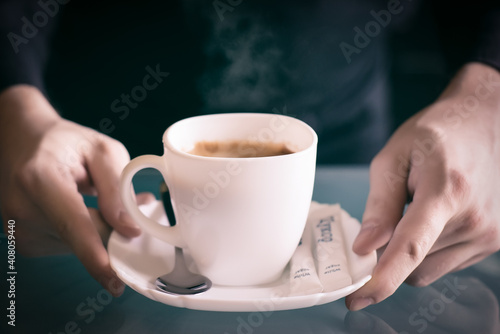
(240,218)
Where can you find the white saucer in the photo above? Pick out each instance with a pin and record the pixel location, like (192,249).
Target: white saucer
(139,261)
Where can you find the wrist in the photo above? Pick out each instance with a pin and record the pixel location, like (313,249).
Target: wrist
(475,83)
(25,105)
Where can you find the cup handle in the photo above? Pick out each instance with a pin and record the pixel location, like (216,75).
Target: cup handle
(169,234)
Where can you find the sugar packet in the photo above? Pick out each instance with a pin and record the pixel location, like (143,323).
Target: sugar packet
(303,276)
(329,247)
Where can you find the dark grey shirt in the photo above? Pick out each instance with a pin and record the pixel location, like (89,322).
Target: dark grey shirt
(129,69)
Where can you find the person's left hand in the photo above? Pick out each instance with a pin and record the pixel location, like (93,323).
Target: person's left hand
(445,162)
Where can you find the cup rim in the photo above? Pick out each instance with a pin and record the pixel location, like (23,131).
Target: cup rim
(172,149)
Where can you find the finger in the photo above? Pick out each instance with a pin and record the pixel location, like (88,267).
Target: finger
(64,207)
(105,165)
(440,263)
(145,198)
(87,190)
(462,228)
(472,261)
(85,186)
(102,228)
(385,203)
(84,182)
(410,243)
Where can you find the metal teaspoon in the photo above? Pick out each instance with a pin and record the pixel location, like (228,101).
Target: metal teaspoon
(180,280)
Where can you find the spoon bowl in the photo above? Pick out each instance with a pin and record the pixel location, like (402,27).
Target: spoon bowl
(182,281)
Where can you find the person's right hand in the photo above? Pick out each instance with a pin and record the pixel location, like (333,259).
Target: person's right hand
(46,164)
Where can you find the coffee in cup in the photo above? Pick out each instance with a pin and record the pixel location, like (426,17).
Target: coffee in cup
(239,149)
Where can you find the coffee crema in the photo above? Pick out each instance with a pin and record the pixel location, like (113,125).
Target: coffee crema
(239,149)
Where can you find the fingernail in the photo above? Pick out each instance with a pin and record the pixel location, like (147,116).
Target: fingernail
(367,228)
(359,322)
(360,303)
(363,235)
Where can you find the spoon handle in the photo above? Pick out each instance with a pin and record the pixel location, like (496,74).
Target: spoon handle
(167,203)
(169,210)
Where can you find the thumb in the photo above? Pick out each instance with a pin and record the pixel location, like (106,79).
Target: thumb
(385,203)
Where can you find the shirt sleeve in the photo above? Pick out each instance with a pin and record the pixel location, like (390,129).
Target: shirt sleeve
(487,49)
(26,27)
(469,31)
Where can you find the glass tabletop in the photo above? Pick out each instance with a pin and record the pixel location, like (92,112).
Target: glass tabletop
(56,295)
